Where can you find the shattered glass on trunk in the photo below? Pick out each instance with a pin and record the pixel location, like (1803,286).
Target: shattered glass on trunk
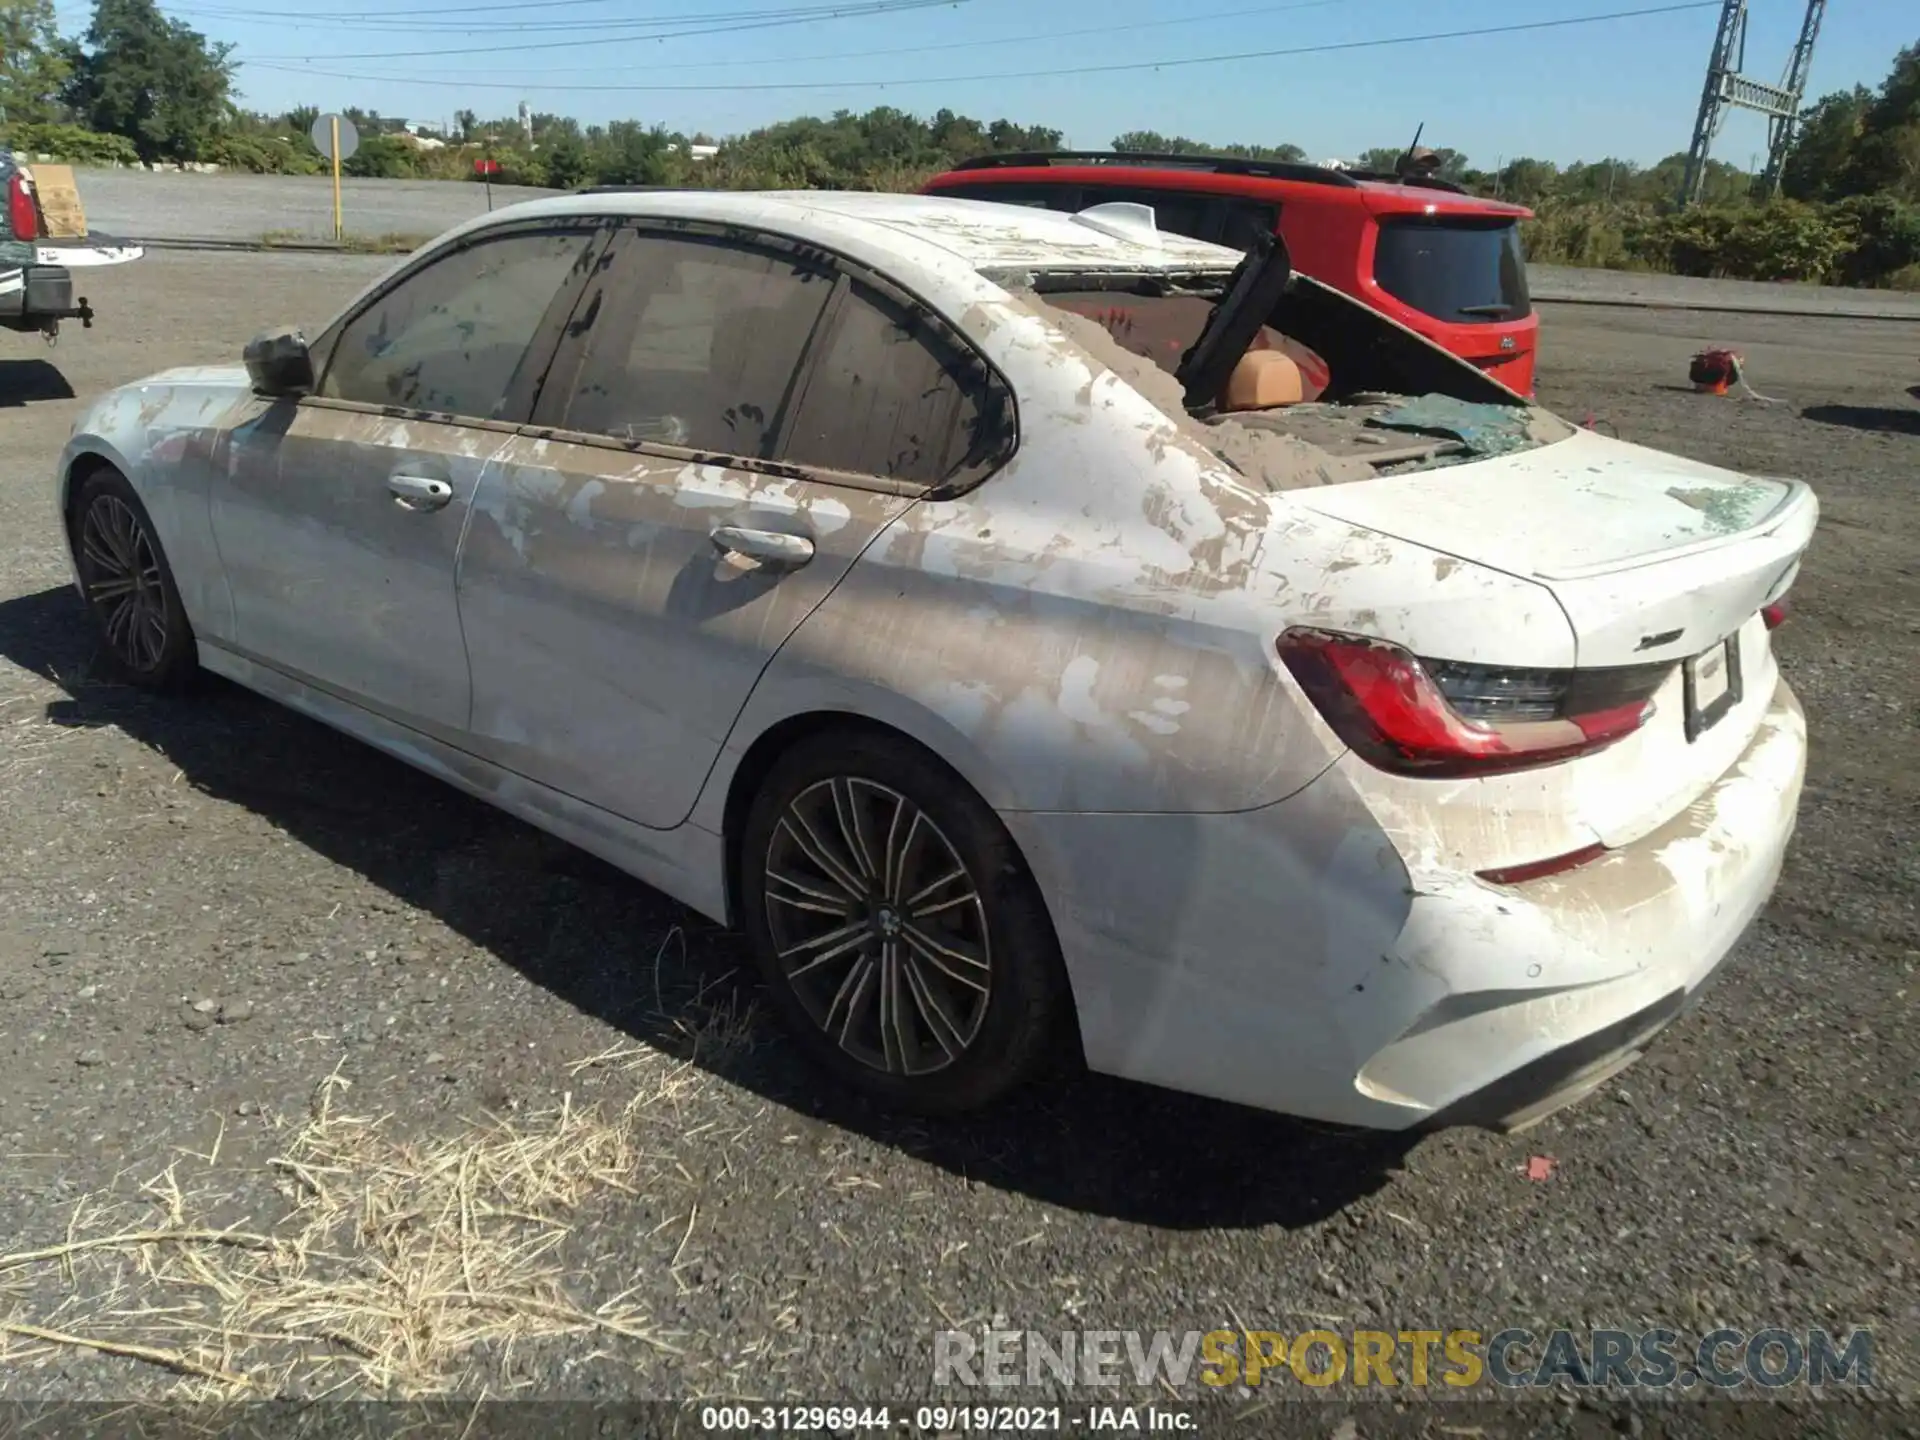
(1482,431)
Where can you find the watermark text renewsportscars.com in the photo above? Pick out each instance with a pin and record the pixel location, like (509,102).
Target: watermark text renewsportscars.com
(1194,1361)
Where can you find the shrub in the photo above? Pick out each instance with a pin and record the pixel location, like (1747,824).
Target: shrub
(517,167)
(73,145)
(1595,236)
(1785,240)
(1887,239)
(267,154)
(382,157)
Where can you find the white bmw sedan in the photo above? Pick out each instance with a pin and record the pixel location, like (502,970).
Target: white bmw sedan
(1042,636)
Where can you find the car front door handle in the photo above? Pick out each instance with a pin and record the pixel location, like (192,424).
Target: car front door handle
(418,492)
(775,550)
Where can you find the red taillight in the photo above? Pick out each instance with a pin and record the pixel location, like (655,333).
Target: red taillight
(1541,869)
(1775,614)
(1388,707)
(23,216)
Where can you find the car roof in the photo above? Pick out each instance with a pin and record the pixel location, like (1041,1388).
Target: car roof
(918,230)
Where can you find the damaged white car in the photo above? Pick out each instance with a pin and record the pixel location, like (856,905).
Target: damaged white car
(1039,634)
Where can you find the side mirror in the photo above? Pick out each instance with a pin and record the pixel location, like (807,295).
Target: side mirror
(279,364)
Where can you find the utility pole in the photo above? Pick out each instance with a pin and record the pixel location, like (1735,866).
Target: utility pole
(1728,88)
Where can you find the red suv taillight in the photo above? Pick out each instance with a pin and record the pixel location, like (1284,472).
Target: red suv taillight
(23,216)
(1442,718)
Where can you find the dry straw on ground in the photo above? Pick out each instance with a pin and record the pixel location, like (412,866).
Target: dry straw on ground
(394,1261)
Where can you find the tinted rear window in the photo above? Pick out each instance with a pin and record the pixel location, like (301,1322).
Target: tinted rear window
(1457,269)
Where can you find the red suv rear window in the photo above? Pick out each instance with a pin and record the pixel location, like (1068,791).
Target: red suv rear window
(1463,269)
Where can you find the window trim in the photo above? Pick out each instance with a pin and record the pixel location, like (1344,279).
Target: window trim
(998,391)
(541,347)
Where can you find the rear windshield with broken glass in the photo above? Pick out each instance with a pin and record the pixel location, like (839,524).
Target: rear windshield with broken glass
(1338,431)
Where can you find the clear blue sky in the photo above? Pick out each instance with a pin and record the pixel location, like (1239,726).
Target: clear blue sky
(1626,87)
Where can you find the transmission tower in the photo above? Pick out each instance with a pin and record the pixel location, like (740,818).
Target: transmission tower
(1727,87)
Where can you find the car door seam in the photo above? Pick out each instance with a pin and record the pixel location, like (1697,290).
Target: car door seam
(487,468)
(746,702)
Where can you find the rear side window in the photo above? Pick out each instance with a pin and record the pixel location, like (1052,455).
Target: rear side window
(1217,219)
(450,339)
(890,395)
(1462,270)
(707,353)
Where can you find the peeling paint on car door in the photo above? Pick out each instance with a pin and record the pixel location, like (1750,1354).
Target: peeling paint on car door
(613,640)
(338,580)
(339,516)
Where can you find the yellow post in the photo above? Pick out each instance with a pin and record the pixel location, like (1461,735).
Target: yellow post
(339,231)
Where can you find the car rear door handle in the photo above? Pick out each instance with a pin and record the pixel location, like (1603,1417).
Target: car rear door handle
(418,492)
(771,548)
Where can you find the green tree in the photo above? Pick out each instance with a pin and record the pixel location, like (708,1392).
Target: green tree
(1526,181)
(1887,156)
(1819,165)
(1152,142)
(468,123)
(629,153)
(569,163)
(33,65)
(156,81)
(300,119)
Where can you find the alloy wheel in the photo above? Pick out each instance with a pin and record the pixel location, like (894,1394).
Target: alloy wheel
(121,574)
(878,926)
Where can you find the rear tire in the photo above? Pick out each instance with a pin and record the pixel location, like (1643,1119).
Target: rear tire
(896,928)
(129,586)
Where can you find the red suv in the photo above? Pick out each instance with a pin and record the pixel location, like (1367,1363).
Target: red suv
(1418,249)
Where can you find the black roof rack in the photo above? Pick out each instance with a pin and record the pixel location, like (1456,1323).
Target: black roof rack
(1215,164)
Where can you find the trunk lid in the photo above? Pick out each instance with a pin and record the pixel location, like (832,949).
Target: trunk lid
(1652,556)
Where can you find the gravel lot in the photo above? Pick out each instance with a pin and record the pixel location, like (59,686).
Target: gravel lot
(173,206)
(211,906)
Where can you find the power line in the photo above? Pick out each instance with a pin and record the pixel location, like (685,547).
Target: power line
(1027,39)
(1379,42)
(396,20)
(677,18)
(809,17)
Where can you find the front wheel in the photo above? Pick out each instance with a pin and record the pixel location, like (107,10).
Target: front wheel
(129,586)
(896,928)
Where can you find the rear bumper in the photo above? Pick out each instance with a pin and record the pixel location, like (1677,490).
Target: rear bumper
(33,295)
(1526,1096)
(1285,958)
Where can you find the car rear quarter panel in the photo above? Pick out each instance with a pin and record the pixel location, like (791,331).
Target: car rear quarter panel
(1092,629)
